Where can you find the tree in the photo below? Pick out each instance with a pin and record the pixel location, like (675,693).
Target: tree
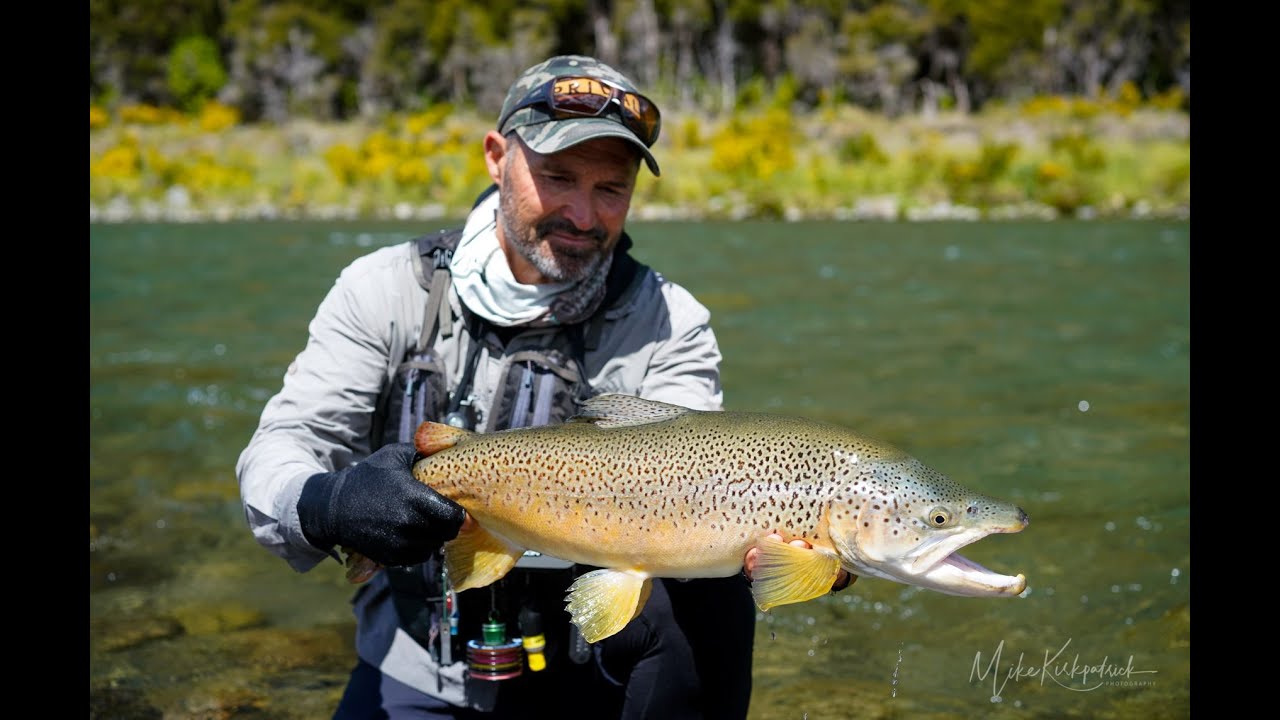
(195,72)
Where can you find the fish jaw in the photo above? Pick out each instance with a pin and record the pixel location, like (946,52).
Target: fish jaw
(958,575)
(934,561)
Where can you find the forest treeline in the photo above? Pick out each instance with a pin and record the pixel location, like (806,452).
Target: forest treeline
(279,60)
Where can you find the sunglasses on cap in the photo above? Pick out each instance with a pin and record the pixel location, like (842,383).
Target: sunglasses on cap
(571,96)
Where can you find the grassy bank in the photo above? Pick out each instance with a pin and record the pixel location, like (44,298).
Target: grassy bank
(1047,158)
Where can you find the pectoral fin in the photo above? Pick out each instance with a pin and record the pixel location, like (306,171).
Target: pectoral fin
(360,569)
(432,437)
(477,558)
(788,574)
(602,602)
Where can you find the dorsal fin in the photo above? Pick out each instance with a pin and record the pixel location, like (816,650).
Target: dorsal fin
(618,410)
(432,437)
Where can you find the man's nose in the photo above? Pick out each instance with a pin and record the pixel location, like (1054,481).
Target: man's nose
(580,211)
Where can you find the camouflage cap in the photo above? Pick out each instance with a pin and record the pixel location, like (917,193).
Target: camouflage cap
(545,134)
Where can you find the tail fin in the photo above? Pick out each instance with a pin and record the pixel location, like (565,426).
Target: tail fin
(432,437)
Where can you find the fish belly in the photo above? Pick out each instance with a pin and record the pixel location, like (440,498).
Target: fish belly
(607,537)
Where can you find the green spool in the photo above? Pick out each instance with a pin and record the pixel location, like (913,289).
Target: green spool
(494,632)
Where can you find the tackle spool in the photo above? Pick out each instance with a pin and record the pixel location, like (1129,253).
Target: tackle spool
(493,657)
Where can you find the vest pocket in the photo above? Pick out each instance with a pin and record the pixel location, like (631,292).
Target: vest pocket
(418,392)
(538,387)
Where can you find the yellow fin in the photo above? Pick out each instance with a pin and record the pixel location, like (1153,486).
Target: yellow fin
(602,602)
(432,437)
(788,574)
(477,557)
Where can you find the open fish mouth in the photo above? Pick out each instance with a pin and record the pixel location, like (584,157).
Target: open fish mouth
(939,566)
(956,574)
(952,573)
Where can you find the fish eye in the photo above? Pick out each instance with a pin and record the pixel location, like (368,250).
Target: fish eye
(939,517)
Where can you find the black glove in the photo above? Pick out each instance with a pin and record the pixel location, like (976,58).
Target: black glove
(379,509)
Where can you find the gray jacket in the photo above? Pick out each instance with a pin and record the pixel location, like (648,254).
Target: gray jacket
(656,343)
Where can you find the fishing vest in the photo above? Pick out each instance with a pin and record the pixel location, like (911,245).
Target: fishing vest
(541,383)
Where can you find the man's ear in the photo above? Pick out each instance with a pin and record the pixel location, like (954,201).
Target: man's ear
(495,151)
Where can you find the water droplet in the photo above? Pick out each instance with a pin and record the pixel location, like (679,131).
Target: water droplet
(1083,405)
(894,684)
(811,653)
(1110,526)
(1084,599)
(996,699)
(1115,588)
(111,577)
(160,524)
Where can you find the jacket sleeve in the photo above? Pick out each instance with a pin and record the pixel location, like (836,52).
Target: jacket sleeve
(685,365)
(320,419)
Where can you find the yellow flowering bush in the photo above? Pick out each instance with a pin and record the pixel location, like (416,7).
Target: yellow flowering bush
(204,175)
(98,118)
(758,147)
(121,161)
(412,171)
(1048,171)
(215,117)
(150,115)
(344,162)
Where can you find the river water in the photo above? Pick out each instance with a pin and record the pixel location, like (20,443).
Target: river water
(1045,363)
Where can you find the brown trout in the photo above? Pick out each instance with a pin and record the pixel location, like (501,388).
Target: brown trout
(644,489)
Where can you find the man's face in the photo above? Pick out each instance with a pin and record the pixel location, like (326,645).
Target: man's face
(560,215)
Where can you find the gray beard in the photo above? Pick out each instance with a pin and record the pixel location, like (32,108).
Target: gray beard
(565,268)
(587,272)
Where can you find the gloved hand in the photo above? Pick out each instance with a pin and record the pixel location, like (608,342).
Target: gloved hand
(379,509)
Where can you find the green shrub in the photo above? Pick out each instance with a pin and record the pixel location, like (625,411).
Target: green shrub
(195,72)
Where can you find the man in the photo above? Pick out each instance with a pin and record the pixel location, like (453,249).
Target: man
(533,307)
